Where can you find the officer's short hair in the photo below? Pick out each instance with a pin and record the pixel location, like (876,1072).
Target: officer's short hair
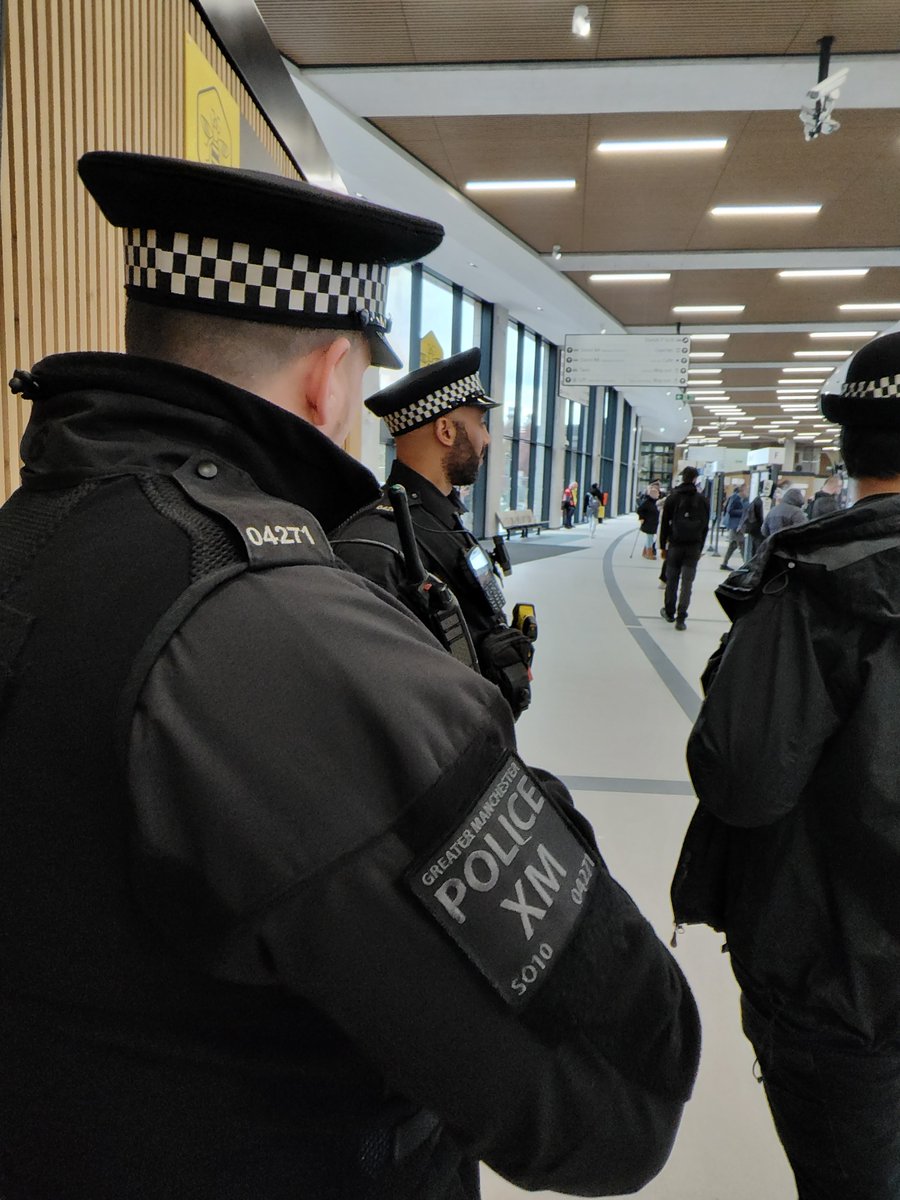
(870,452)
(241,350)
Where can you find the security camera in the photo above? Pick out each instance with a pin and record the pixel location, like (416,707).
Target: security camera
(816,111)
(830,88)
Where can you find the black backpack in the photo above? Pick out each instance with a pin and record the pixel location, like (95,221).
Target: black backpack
(689,520)
(752,522)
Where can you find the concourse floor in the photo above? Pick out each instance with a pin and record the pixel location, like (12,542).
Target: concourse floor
(615,692)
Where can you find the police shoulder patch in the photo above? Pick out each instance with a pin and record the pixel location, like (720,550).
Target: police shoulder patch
(508,884)
(274,532)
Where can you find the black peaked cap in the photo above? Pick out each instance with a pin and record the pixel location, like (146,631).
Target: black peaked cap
(148,192)
(871,391)
(431,392)
(254,246)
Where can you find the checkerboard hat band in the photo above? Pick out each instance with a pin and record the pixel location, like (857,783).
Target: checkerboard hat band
(254,277)
(875,389)
(435,404)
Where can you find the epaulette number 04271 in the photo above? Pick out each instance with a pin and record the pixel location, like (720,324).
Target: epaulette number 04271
(280,535)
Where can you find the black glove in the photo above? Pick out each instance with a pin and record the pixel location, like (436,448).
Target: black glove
(504,656)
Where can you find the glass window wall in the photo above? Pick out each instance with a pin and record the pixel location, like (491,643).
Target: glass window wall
(527,419)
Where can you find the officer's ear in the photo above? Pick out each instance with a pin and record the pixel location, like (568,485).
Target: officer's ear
(445,431)
(333,387)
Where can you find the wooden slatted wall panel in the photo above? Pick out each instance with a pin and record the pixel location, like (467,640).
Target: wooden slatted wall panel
(82,75)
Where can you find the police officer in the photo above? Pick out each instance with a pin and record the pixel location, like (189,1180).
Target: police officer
(437,415)
(283,914)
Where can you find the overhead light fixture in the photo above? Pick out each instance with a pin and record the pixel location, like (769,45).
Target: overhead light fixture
(766,210)
(706,354)
(709,308)
(661,145)
(846,333)
(888,306)
(806,371)
(825,273)
(710,337)
(704,371)
(809,383)
(581,21)
(520,185)
(633,277)
(822,353)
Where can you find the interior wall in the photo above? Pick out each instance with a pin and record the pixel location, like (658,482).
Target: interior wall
(83,75)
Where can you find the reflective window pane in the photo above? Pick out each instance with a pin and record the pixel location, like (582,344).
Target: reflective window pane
(527,407)
(471,324)
(436,331)
(509,383)
(507,473)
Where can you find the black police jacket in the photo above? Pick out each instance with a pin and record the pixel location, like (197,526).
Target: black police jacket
(370,542)
(281,912)
(796,752)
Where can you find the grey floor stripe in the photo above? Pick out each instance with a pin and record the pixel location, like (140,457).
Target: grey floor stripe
(682,692)
(651,787)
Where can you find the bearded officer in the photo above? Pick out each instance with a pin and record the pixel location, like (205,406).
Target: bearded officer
(283,913)
(438,417)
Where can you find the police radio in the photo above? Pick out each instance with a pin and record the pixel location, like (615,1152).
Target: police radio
(438,607)
(480,566)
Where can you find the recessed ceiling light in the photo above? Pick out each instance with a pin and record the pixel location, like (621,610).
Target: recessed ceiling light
(581,21)
(710,337)
(766,210)
(704,371)
(707,354)
(822,353)
(812,384)
(825,273)
(661,145)
(709,308)
(888,306)
(520,185)
(847,333)
(633,277)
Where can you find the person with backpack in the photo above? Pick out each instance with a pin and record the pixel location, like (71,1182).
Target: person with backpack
(685,520)
(751,526)
(734,519)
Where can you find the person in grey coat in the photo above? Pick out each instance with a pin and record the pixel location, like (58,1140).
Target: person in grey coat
(787,512)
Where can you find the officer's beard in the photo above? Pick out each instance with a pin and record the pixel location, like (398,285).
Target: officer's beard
(461,462)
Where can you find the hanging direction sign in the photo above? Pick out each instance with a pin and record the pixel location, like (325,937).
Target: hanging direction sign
(632,360)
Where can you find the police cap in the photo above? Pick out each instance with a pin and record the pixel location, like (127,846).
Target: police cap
(431,392)
(254,246)
(870,394)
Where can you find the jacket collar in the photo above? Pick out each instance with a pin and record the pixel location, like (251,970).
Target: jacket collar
(445,509)
(117,414)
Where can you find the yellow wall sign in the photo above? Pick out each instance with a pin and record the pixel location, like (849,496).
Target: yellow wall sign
(430,350)
(212,119)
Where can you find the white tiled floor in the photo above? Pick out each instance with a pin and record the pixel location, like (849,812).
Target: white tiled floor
(601,710)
